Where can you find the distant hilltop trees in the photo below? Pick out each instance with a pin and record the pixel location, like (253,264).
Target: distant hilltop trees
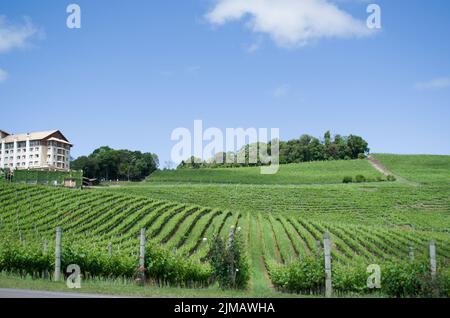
(304,149)
(109,164)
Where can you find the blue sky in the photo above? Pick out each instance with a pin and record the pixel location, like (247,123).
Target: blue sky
(136,70)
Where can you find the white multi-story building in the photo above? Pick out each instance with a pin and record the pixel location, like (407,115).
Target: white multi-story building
(38,150)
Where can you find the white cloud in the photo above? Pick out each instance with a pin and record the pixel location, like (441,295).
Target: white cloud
(290,23)
(281,90)
(15,36)
(3,75)
(437,83)
(255,46)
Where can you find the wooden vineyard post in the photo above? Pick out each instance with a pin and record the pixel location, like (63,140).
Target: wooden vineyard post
(230,243)
(110,249)
(141,278)
(327,252)
(433,259)
(411,254)
(231,235)
(318,247)
(45,247)
(57,275)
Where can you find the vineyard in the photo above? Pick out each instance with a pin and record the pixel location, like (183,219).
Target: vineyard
(385,223)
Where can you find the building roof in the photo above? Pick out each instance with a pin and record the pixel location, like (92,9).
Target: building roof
(39,135)
(59,140)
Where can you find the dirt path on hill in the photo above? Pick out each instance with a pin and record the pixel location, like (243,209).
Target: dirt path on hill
(381,168)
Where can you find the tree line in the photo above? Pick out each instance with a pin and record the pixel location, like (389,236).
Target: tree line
(304,149)
(106,163)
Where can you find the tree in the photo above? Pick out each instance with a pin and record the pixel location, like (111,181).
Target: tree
(356,146)
(88,165)
(304,149)
(327,138)
(106,163)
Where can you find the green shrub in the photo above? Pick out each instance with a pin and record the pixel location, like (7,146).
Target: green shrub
(303,276)
(362,156)
(391,178)
(167,268)
(350,279)
(360,178)
(162,266)
(403,279)
(380,179)
(443,282)
(347,179)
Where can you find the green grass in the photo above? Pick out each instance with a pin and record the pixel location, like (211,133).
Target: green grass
(323,172)
(426,169)
(125,288)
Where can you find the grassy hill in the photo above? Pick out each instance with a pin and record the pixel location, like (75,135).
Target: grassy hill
(425,169)
(301,173)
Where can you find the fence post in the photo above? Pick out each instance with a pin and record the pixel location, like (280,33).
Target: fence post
(110,249)
(411,254)
(327,252)
(433,259)
(142,258)
(57,275)
(231,235)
